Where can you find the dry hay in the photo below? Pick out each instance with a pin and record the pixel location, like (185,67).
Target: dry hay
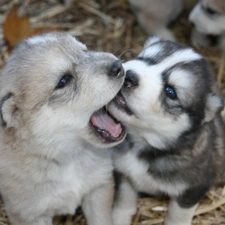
(109,25)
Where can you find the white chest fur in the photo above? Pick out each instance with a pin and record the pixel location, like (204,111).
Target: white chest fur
(56,188)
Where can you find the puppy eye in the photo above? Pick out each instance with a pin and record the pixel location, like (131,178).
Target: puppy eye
(171,93)
(63,81)
(210,11)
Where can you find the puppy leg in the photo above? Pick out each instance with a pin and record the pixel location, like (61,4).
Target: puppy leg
(177,215)
(97,205)
(125,205)
(181,210)
(14,220)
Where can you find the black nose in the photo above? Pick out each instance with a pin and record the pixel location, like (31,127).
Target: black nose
(131,79)
(116,69)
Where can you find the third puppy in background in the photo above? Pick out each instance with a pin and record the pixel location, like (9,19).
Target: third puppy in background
(155,15)
(208,18)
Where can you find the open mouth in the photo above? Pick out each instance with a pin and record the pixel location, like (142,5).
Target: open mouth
(107,127)
(121,104)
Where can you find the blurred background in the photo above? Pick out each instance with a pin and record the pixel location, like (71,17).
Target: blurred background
(111,26)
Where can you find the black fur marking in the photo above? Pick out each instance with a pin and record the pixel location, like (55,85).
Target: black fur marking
(2,103)
(149,61)
(151,154)
(173,164)
(194,107)
(130,141)
(192,196)
(167,48)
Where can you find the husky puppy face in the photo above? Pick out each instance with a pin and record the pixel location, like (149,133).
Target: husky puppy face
(159,99)
(208,17)
(52,82)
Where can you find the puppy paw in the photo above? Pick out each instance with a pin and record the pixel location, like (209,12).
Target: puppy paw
(123,217)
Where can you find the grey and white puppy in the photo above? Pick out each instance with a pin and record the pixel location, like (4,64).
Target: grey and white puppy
(155,15)
(175,144)
(54,130)
(208,17)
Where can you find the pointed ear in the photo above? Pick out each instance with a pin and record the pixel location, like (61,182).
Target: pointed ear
(214,105)
(151,40)
(9,112)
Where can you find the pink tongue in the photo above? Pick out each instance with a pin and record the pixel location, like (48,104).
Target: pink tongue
(102,120)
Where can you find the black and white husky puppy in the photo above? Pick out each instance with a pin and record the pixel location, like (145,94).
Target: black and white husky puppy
(175,144)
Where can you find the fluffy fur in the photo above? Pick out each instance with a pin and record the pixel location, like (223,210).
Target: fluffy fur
(155,15)
(175,144)
(208,18)
(52,158)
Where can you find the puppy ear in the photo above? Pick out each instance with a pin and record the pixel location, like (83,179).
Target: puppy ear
(9,112)
(214,105)
(151,40)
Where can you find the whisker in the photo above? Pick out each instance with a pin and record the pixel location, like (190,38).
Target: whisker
(127,50)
